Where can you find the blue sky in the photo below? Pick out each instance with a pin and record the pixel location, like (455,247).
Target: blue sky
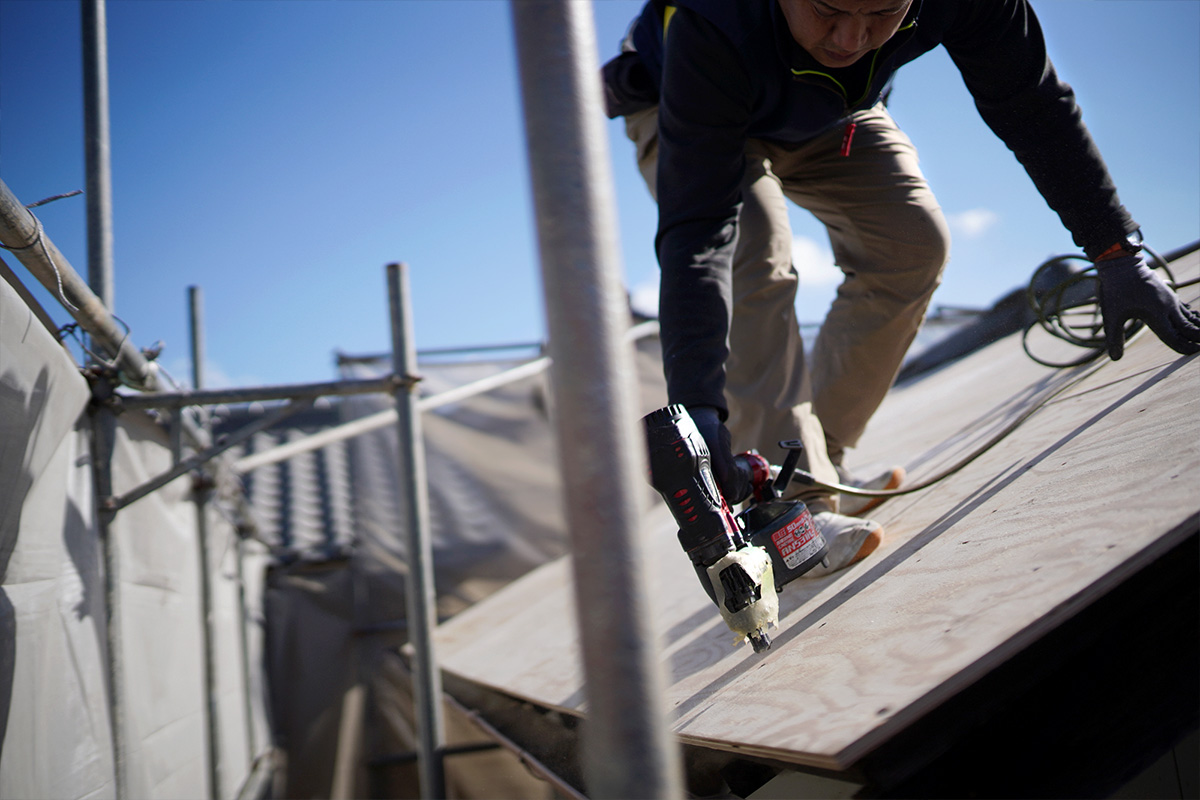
(278,153)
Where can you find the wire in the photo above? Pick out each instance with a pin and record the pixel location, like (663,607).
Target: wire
(72,329)
(39,240)
(62,196)
(1068,311)
(807,478)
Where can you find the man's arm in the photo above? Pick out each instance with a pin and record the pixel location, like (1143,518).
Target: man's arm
(704,110)
(999,48)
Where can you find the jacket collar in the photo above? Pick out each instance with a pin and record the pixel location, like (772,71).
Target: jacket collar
(804,67)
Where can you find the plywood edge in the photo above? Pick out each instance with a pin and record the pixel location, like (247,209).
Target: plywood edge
(964,679)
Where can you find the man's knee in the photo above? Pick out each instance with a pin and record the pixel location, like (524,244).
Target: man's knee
(762,260)
(925,252)
(931,242)
(906,260)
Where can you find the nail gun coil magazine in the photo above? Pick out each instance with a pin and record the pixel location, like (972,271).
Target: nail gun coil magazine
(741,561)
(785,529)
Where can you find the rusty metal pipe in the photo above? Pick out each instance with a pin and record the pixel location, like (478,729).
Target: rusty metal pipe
(22,233)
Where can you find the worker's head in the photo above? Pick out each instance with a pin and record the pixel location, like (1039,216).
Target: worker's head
(839,32)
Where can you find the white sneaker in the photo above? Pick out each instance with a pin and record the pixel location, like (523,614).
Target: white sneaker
(853,506)
(850,540)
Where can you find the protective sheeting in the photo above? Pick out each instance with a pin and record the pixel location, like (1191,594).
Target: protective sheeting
(341,693)
(494,494)
(54,734)
(336,626)
(492,460)
(162,633)
(56,712)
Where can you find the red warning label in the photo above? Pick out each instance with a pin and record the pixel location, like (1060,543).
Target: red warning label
(797,542)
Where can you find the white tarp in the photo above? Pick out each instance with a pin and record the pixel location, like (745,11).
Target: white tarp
(55,713)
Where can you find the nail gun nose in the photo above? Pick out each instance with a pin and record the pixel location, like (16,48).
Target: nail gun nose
(760,640)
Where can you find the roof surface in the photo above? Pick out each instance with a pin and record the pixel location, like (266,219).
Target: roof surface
(1103,477)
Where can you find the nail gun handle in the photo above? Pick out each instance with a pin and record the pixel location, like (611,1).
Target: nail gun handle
(681,471)
(795,449)
(758,471)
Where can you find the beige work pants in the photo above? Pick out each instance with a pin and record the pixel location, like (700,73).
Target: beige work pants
(890,240)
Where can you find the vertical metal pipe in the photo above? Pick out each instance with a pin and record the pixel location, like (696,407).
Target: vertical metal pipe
(99,234)
(104,425)
(196,316)
(628,749)
(414,496)
(97,150)
(198,360)
(99,229)
(244,650)
(201,492)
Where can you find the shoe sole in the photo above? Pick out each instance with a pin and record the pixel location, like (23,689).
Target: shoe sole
(869,545)
(893,482)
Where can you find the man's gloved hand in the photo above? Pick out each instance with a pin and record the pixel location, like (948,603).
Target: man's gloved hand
(1129,289)
(733,482)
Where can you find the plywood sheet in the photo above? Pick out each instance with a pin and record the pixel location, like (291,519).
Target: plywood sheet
(1098,482)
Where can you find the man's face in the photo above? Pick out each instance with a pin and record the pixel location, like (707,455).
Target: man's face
(839,32)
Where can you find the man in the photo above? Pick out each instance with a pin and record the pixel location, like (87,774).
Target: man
(735,105)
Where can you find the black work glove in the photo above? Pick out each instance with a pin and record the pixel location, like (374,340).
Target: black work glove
(734,483)
(1129,289)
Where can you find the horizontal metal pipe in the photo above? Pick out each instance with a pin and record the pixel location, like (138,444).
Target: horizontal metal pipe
(113,504)
(294,391)
(384,418)
(387,417)
(379,358)
(397,759)
(315,441)
(22,233)
(484,384)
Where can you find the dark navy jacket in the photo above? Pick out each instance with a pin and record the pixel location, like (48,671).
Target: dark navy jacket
(731,71)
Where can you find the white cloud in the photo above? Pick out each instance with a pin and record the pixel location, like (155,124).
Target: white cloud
(215,377)
(814,261)
(643,298)
(973,223)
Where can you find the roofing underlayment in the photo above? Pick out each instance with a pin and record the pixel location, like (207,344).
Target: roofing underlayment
(1096,484)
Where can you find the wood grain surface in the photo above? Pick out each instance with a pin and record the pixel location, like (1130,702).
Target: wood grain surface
(1100,480)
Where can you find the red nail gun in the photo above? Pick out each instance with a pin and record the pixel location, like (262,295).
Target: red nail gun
(742,561)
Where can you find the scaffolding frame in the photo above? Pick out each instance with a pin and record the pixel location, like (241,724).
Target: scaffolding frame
(630,752)
(108,403)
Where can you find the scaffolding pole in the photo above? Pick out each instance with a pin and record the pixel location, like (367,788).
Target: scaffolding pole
(628,751)
(95,306)
(97,149)
(201,492)
(414,498)
(104,430)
